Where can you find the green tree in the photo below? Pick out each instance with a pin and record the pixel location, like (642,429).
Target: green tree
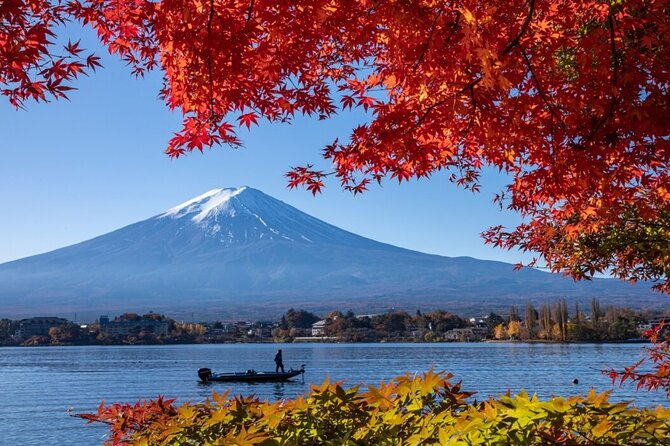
(576,330)
(492,321)
(596,312)
(391,323)
(300,319)
(443,321)
(283,323)
(546,322)
(561,318)
(531,319)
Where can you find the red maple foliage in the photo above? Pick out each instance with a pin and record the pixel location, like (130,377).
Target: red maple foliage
(29,68)
(124,419)
(568,97)
(653,371)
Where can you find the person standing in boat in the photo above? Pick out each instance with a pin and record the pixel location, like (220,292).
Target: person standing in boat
(279,361)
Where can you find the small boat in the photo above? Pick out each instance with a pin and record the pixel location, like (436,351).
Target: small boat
(251,375)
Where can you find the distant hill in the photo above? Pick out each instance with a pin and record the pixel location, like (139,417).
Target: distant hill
(241,253)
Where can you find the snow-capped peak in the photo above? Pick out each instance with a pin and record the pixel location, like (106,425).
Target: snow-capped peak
(214,200)
(236,216)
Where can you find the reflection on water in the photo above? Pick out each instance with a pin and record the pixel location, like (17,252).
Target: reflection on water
(38,385)
(273,390)
(278,390)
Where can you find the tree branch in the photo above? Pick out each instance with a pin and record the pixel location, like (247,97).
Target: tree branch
(209,60)
(538,86)
(250,13)
(468,87)
(615,59)
(522,30)
(430,37)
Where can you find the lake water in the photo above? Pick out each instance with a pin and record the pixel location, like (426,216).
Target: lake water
(38,385)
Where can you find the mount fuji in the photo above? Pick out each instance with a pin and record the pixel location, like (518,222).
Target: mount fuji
(239,252)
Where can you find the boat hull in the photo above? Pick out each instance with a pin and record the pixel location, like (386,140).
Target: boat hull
(250,376)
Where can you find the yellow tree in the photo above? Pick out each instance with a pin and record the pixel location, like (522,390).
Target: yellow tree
(500,332)
(514,329)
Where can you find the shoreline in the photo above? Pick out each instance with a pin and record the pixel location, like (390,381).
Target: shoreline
(543,341)
(331,341)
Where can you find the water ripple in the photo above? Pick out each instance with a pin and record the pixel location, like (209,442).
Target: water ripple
(38,385)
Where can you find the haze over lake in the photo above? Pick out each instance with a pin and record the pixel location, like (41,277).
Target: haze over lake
(38,385)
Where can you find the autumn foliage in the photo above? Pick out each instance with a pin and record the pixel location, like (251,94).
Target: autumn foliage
(652,372)
(30,67)
(418,410)
(569,98)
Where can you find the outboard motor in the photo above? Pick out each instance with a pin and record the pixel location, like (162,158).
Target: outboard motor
(204,374)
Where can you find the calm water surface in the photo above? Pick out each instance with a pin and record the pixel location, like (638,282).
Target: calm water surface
(38,385)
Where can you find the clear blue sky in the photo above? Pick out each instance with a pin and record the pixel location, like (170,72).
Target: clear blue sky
(70,171)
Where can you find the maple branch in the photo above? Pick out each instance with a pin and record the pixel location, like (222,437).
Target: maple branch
(615,69)
(536,81)
(471,121)
(615,59)
(430,37)
(515,41)
(90,418)
(250,13)
(209,60)
(600,122)
(469,86)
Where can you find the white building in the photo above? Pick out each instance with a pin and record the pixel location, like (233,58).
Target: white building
(319,328)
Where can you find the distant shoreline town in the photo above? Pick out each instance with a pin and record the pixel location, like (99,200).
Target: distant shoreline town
(548,323)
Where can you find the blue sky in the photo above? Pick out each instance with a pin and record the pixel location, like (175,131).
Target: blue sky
(73,170)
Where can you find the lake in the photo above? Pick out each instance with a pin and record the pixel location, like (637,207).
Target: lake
(39,384)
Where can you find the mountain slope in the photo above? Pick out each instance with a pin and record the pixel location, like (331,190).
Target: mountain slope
(234,249)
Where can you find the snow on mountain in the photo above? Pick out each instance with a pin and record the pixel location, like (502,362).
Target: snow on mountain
(246,215)
(233,249)
(214,200)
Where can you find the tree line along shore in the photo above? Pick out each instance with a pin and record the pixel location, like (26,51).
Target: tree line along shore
(548,322)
